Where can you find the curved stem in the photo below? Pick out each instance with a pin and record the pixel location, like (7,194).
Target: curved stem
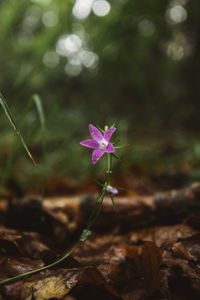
(94,215)
(3,282)
(92,219)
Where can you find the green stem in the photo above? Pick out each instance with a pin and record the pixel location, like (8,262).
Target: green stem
(92,219)
(98,207)
(94,215)
(108,172)
(3,282)
(94,210)
(98,212)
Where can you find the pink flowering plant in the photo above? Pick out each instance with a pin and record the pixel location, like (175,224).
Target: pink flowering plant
(100,143)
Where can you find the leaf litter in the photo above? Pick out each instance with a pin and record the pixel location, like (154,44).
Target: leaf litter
(133,253)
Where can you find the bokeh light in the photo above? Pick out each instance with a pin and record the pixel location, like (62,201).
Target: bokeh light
(68,44)
(51,59)
(73,69)
(146,27)
(101,8)
(50,18)
(82,9)
(176,14)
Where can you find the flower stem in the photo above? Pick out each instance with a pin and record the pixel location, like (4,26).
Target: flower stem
(109,172)
(95,209)
(3,282)
(94,215)
(86,232)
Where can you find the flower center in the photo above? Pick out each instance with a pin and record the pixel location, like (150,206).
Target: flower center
(103,144)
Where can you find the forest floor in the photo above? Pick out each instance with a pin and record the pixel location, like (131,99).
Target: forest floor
(147,247)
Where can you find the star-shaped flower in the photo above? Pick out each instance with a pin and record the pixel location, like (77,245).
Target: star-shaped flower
(100,143)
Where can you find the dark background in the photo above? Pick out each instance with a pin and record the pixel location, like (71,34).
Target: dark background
(134,63)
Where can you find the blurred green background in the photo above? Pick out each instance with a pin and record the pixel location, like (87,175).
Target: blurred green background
(134,63)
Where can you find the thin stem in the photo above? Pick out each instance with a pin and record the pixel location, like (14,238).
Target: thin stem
(113,202)
(94,210)
(3,282)
(98,212)
(108,172)
(95,216)
(86,232)
(109,162)
(92,219)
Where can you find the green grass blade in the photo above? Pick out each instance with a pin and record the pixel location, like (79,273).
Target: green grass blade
(34,100)
(38,103)
(12,122)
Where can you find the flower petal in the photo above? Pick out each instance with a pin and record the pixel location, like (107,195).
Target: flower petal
(95,133)
(109,133)
(110,148)
(113,191)
(96,155)
(90,144)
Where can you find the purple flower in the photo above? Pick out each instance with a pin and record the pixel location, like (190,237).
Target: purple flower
(113,191)
(100,143)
